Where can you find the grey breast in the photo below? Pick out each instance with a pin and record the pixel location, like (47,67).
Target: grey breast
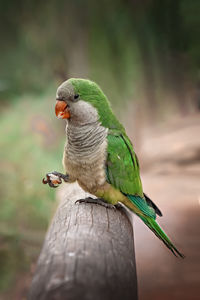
(85,141)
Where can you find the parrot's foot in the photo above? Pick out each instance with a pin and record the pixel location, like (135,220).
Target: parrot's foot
(99,201)
(54,179)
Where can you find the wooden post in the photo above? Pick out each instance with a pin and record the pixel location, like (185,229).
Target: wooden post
(88,253)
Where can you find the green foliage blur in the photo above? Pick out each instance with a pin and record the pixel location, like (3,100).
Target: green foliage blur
(141,51)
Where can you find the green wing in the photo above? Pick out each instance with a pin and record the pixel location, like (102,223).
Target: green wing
(123,174)
(122,165)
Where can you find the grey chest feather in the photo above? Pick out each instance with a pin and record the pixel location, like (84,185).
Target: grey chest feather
(85,153)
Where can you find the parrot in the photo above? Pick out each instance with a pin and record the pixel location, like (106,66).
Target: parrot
(99,155)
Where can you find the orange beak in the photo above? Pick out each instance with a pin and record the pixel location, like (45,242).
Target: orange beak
(61,110)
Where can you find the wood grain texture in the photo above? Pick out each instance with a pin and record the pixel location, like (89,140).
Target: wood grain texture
(88,253)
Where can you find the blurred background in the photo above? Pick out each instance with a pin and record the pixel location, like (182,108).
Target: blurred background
(145,54)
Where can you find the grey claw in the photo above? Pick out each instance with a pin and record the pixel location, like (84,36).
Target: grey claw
(44,181)
(83,201)
(96,201)
(60,175)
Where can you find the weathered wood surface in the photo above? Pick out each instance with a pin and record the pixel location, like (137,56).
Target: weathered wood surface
(88,254)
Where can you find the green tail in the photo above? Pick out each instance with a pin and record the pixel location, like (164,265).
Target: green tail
(149,218)
(153,225)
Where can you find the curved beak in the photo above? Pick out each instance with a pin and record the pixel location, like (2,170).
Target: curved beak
(61,110)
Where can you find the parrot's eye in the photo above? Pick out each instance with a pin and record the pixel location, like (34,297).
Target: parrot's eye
(76,96)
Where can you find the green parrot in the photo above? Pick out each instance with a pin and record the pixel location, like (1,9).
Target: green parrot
(99,155)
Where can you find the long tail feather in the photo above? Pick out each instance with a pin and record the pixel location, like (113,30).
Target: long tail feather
(153,225)
(147,214)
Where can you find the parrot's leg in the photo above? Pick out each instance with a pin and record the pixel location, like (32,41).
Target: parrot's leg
(96,201)
(55,178)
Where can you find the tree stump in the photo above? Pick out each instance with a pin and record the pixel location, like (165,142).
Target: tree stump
(88,253)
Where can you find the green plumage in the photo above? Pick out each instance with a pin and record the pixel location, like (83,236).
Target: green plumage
(122,168)
(153,225)
(90,92)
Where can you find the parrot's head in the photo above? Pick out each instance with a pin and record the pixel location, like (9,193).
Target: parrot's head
(81,101)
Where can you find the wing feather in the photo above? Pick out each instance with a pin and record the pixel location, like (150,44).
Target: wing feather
(122,165)
(123,172)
